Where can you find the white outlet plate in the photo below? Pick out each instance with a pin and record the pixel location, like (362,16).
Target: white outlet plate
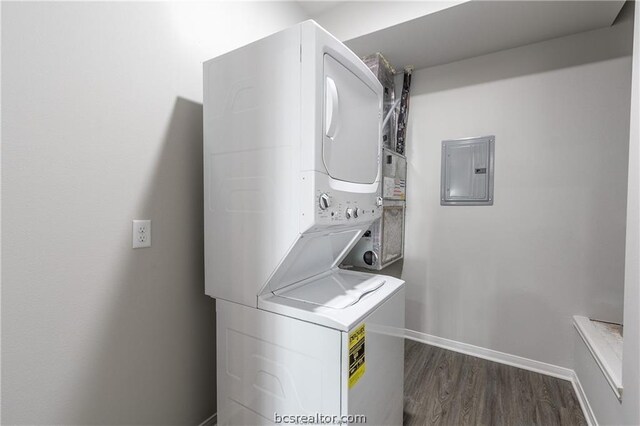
(141,233)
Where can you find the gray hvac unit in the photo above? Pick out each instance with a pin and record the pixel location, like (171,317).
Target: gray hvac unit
(383,243)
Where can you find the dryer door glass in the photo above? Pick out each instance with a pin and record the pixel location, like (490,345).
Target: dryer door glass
(351,125)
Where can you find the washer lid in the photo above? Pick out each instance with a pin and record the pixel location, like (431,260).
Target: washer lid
(312,255)
(338,299)
(334,290)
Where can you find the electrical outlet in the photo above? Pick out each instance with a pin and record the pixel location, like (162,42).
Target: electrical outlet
(141,233)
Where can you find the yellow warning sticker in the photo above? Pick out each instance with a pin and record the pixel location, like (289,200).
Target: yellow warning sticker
(356,355)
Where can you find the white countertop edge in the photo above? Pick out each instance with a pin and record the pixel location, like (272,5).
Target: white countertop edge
(606,359)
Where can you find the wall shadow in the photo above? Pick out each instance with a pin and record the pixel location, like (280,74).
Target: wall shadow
(158,341)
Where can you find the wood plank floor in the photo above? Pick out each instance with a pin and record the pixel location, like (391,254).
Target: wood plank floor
(442,387)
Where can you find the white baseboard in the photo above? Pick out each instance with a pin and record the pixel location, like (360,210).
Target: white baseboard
(491,355)
(211,421)
(584,402)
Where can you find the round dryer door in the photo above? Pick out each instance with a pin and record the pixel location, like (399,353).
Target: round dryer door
(351,125)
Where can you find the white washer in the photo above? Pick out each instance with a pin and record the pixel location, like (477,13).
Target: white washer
(292,358)
(292,147)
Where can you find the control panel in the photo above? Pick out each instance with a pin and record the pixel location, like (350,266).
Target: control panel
(327,203)
(335,207)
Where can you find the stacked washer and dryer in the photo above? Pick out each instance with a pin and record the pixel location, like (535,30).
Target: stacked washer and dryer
(292,160)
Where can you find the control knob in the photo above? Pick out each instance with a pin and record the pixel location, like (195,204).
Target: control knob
(349,213)
(325,202)
(356,212)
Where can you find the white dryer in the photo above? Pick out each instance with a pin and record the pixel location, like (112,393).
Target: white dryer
(292,146)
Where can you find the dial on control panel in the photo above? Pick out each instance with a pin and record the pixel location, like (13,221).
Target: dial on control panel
(325,202)
(353,212)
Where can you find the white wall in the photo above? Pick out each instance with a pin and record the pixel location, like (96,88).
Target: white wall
(607,409)
(631,349)
(102,124)
(509,277)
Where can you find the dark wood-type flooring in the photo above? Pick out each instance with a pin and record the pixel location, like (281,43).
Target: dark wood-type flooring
(442,387)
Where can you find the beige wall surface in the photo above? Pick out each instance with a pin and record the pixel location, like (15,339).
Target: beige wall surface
(102,124)
(510,277)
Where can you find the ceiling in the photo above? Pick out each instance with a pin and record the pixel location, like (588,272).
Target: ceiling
(313,8)
(479,27)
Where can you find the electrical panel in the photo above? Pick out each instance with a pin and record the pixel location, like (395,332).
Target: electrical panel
(467,171)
